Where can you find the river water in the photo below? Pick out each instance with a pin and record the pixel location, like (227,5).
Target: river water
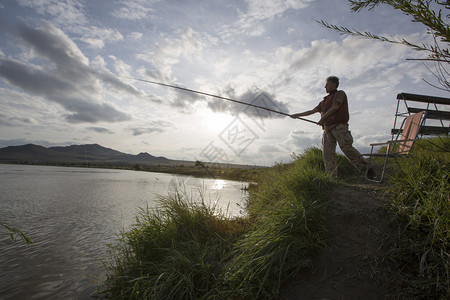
(71,214)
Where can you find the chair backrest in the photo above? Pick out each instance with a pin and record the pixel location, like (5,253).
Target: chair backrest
(410,130)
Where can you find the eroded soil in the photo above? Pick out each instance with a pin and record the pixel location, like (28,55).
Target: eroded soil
(357,222)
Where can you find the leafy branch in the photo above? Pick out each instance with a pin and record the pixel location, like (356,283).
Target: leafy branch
(435,52)
(419,10)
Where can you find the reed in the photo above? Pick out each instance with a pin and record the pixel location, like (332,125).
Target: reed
(173,252)
(419,190)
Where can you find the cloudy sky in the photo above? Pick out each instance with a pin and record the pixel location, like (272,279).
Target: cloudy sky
(65,69)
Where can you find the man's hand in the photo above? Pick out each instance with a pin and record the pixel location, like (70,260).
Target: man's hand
(295,116)
(321,121)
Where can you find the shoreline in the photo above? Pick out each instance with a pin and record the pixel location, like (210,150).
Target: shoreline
(233,173)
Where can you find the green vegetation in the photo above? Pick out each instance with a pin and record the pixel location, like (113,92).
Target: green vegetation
(419,191)
(14,231)
(174,252)
(187,249)
(205,171)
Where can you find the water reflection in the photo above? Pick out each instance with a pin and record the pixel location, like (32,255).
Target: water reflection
(218,184)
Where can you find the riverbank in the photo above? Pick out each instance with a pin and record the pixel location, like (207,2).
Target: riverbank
(188,250)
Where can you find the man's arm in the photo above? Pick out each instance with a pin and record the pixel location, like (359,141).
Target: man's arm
(329,113)
(336,104)
(305,113)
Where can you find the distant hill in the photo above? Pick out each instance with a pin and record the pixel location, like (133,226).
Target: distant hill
(75,154)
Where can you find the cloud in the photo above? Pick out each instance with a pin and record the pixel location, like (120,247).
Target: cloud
(50,42)
(253,21)
(100,130)
(145,130)
(67,80)
(122,68)
(135,35)
(81,105)
(12,121)
(188,45)
(255,97)
(300,139)
(352,55)
(368,70)
(63,11)
(96,37)
(268,149)
(267,9)
(116,84)
(152,127)
(155,74)
(133,10)
(185,99)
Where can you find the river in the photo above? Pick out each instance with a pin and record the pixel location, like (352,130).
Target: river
(72,214)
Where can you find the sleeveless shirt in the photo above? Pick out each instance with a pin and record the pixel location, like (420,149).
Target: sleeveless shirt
(341,116)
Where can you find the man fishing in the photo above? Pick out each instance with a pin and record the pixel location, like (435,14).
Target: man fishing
(334,121)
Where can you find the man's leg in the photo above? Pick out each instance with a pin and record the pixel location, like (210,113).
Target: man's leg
(329,153)
(345,140)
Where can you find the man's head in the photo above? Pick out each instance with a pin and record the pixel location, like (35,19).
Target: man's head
(332,84)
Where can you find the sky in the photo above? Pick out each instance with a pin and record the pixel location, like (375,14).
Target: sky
(68,71)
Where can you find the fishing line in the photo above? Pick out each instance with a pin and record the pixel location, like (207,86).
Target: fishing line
(210,95)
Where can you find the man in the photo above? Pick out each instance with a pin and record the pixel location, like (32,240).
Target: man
(334,121)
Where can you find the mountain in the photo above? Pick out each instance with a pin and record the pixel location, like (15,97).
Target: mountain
(31,153)
(75,154)
(93,150)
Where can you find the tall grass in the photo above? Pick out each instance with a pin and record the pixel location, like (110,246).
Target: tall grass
(419,193)
(287,213)
(174,252)
(187,249)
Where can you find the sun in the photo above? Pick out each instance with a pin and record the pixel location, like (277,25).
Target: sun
(216,122)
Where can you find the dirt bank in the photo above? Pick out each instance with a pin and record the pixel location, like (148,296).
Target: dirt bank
(357,223)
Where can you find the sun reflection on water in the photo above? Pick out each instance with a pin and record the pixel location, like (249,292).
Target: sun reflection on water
(218,184)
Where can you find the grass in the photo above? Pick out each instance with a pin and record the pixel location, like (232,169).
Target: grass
(286,212)
(187,249)
(419,190)
(173,252)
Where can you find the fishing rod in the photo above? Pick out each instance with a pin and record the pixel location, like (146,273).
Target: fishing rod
(212,95)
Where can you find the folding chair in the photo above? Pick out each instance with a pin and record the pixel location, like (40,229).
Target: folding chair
(401,146)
